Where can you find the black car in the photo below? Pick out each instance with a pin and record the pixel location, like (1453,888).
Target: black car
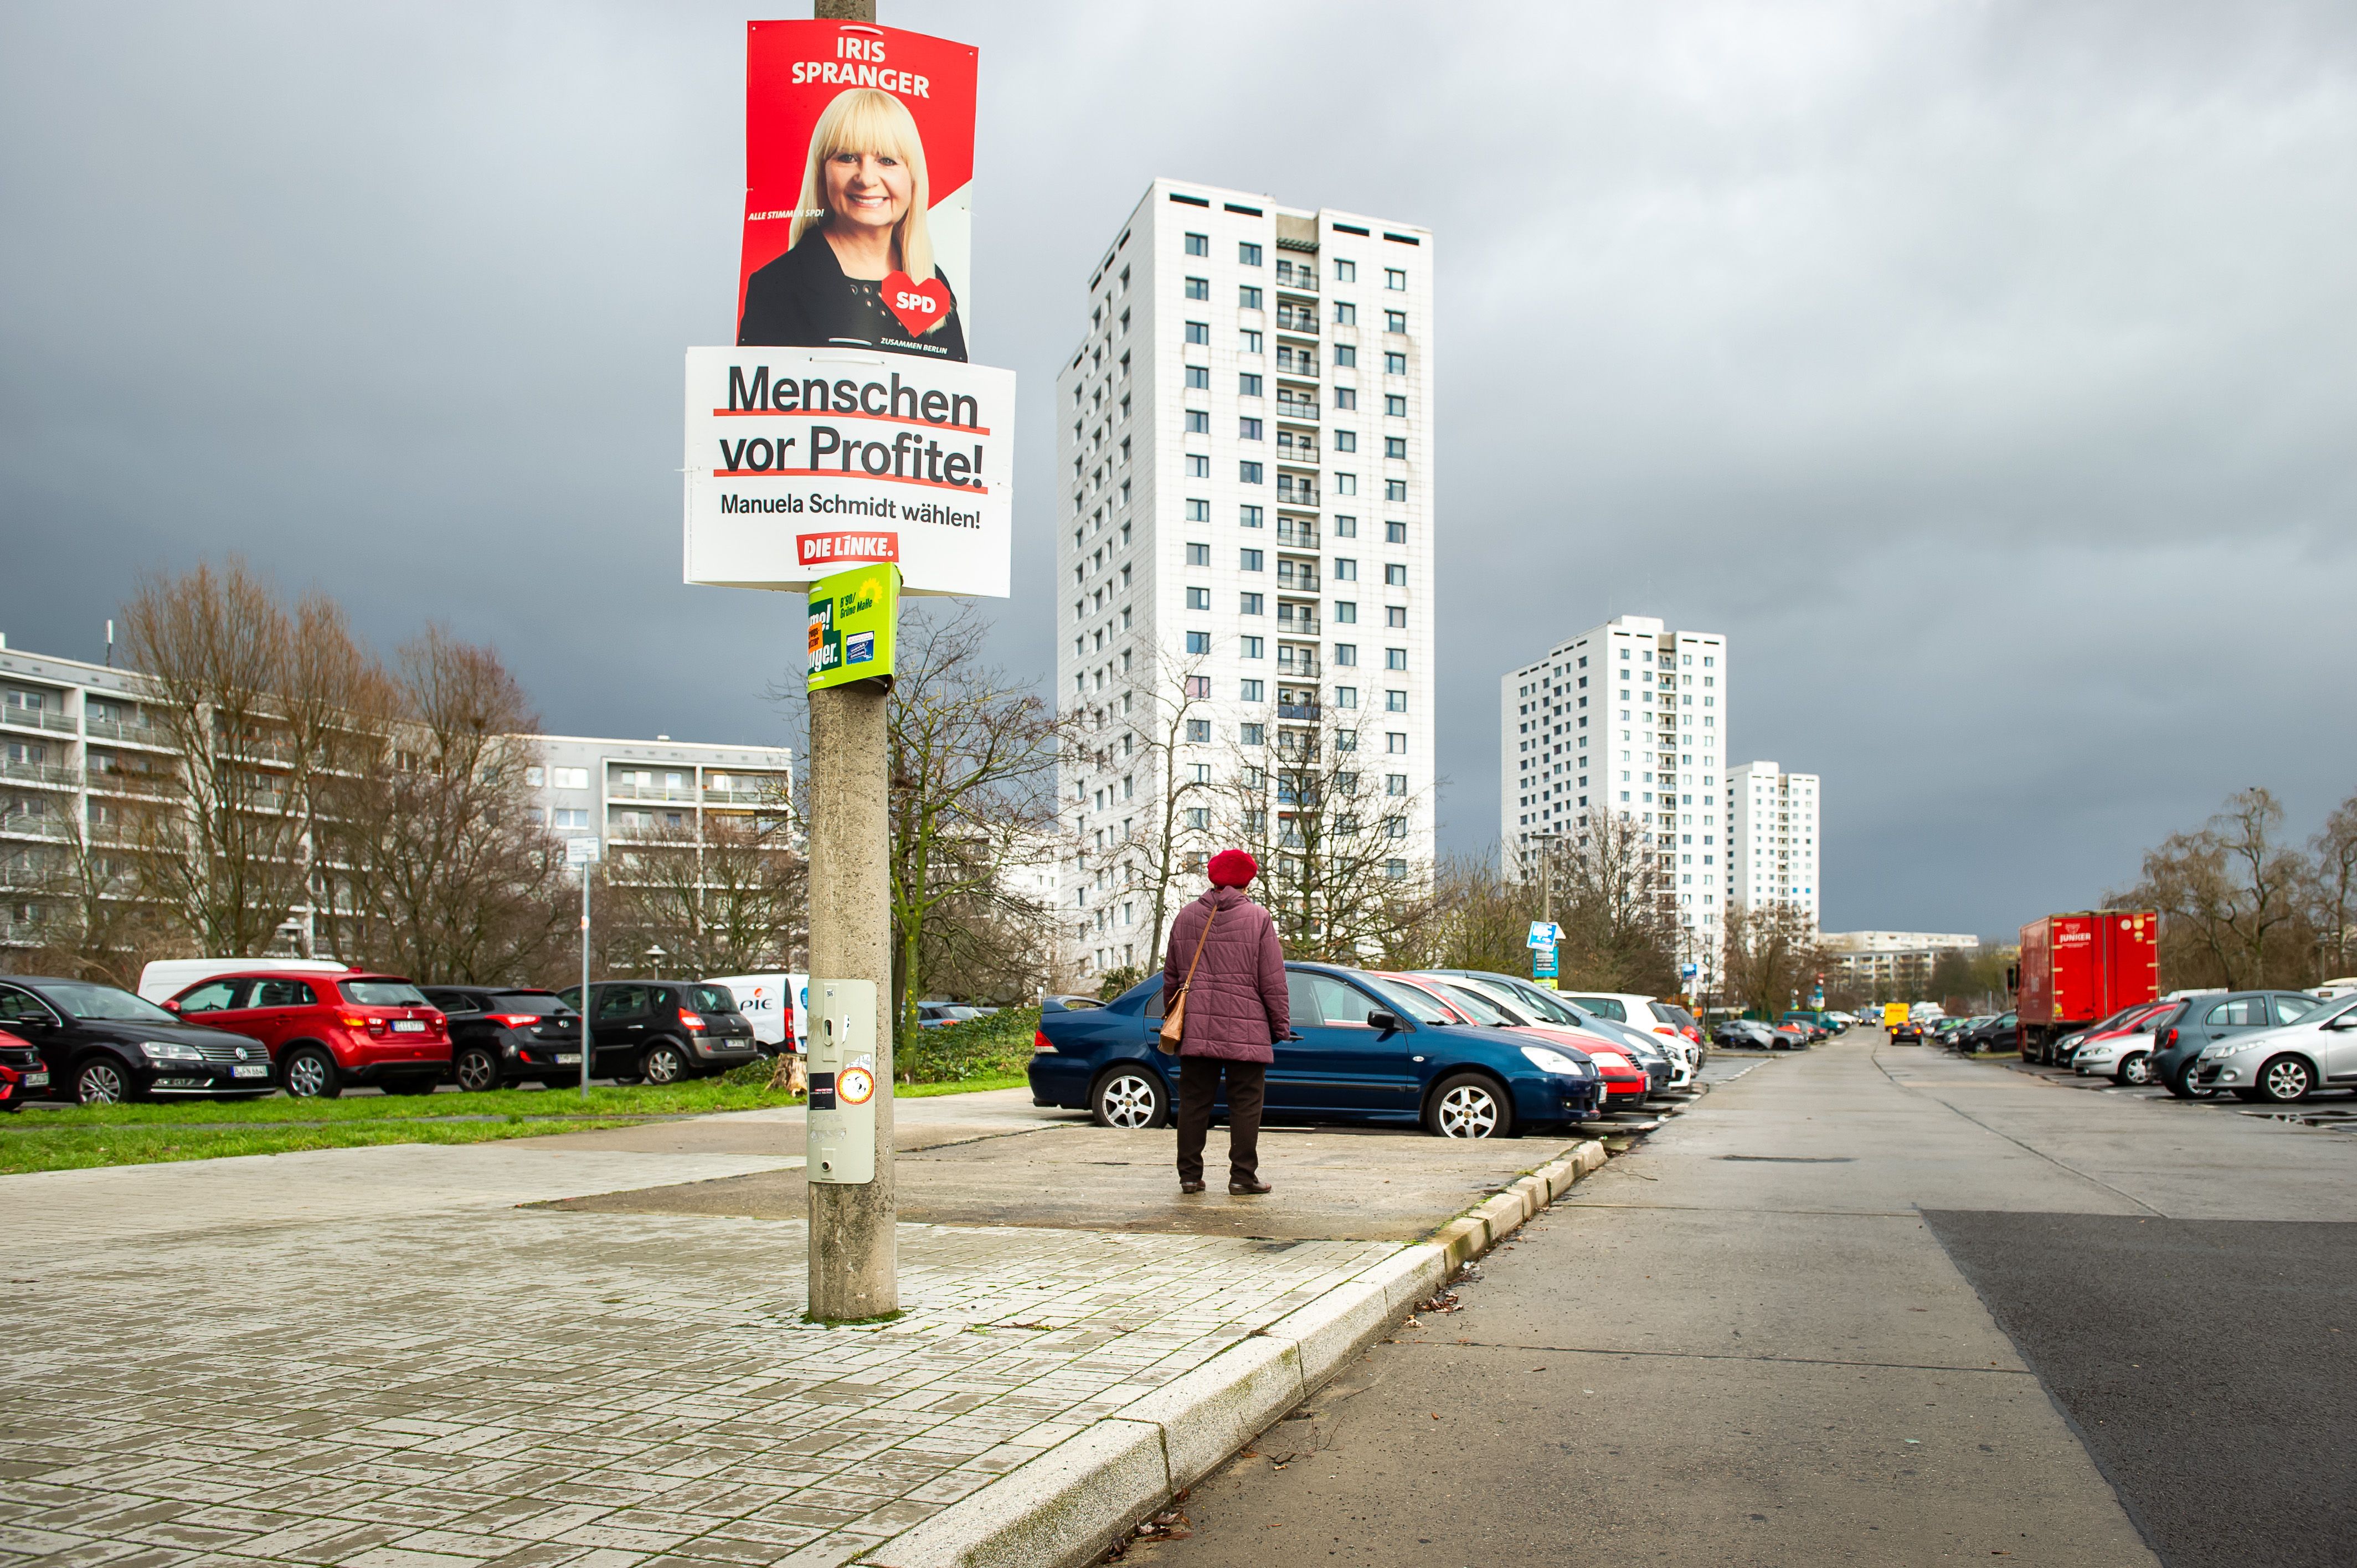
(664,1031)
(101,1046)
(2178,1038)
(502,1034)
(1997,1034)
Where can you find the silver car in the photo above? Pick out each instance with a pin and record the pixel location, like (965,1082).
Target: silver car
(2287,1063)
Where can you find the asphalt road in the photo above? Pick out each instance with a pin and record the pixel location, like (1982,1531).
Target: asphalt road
(1743,1342)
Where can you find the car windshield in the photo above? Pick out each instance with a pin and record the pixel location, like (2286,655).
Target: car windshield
(1411,1001)
(541,1002)
(383,993)
(712,999)
(105,1003)
(2300,1009)
(1475,1006)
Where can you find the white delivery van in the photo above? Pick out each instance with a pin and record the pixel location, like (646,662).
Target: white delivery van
(775,1004)
(170,976)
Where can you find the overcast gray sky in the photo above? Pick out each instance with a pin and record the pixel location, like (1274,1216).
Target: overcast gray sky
(1983,370)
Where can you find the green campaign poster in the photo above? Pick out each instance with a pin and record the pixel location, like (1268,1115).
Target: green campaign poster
(852,615)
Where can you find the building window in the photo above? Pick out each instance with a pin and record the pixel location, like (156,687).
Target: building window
(1395,280)
(1247,384)
(1247,253)
(1346,441)
(1345,313)
(1199,422)
(1395,534)
(1249,517)
(1247,429)
(1346,570)
(533,777)
(1198,244)
(1199,600)
(1395,489)
(1346,654)
(1346,612)
(1395,701)
(568,777)
(1247,297)
(1252,648)
(1345,398)
(1199,378)
(1346,484)
(1253,692)
(1251,604)
(1199,466)
(1395,321)
(1346,527)
(1198,730)
(1394,783)
(1395,407)
(1199,642)
(1395,658)
(1346,696)
(1395,743)
(1394,364)
(1198,288)
(1252,735)
(1248,340)
(1199,554)
(1198,685)
(1250,473)
(1198,511)
(568,817)
(1250,560)
(1345,357)
(1199,332)
(1346,272)
(1395,576)
(1396,615)
(1395,446)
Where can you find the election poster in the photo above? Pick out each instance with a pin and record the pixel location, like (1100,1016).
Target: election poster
(858,189)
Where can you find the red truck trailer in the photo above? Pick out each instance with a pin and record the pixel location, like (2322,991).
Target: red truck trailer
(2078,969)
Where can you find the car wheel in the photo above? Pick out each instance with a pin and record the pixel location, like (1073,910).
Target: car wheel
(105,1082)
(665,1064)
(1469,1105)
(2286,1080)
(1131,1098)
(477,1069)
(310,1073)
(2134,1068)
(2183,1086)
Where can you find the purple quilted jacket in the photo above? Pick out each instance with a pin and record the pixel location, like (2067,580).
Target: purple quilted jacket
(1237,1007)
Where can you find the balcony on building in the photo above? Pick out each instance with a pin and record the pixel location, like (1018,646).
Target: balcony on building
(1293,361)
(1295,447)
(1296,576)
(1297,620)
(1300,533)
(1302,409)
(1300,277)
(1297,318)
(1297,489)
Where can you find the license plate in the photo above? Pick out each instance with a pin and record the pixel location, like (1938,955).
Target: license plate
(249,1069)
(568,1058)
(36,1080)
(408,1026)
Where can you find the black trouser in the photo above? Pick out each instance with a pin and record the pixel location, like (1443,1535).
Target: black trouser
(1198,1084)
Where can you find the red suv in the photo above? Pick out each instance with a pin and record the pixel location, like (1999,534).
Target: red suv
(327,1033)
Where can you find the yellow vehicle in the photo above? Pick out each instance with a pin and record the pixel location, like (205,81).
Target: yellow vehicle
(1894,1013)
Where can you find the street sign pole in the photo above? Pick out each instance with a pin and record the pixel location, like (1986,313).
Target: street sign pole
(584,853)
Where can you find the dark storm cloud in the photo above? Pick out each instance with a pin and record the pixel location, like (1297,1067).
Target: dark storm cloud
(1982,371)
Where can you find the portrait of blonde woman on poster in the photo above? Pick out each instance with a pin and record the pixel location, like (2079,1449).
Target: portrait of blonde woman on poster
(860,219)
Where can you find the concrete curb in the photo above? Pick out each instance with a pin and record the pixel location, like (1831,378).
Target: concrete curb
(1065,1507)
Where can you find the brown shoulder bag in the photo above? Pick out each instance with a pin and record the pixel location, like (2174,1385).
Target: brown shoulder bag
(1173,1022)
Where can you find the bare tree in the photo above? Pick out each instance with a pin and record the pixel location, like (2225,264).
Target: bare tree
(1340,873)
(2235,904)
(1171,704)
(2336,883)
(1772,953)
(1480,917)
(431,865)
(1612,900)
(727,898)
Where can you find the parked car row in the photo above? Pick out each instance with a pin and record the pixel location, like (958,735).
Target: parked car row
(1462,1053)
(318,1031)
(1796,1030)
(2271,1047)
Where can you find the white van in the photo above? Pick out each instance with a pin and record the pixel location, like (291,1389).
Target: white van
(775,1005)
(170,976)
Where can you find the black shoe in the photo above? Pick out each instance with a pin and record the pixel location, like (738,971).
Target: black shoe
(1190,1186)
(1244,1188)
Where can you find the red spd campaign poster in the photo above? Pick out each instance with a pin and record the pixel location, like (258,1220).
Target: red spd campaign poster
(858,185)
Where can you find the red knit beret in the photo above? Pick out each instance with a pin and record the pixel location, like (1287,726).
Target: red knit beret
(1233,868)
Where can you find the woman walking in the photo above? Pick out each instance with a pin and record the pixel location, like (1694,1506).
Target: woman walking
(1224,980)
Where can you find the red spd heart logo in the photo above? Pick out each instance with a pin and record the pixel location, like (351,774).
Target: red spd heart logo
(918,305)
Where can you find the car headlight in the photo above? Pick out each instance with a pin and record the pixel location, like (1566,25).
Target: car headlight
(1555,1062)
(170,1051)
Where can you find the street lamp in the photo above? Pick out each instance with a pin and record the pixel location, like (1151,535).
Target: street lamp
(654,956)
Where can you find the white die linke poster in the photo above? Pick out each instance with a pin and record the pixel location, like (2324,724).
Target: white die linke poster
(802,462)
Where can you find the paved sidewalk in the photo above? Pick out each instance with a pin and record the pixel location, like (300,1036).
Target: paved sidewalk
(372,1358)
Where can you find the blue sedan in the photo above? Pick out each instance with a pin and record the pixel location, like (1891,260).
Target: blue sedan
(1364,1047)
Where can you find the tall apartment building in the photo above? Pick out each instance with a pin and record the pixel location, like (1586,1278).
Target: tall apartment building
(1628,718)
(1774,816)
(1245,431)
